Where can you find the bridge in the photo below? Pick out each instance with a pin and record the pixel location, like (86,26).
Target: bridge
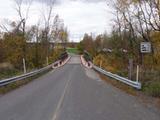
(72,92)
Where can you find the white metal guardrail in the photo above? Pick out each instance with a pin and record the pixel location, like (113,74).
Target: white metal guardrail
(134,84)
(21,77)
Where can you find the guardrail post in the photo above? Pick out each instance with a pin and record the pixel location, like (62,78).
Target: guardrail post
(47,61)
(130,68)
(100,63)
(137,76)
(24,66)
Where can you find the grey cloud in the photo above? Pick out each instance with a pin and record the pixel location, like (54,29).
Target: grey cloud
(93,0)
(49,1)
(61,1)
(89,0)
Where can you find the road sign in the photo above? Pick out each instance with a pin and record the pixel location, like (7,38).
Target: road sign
(145,47)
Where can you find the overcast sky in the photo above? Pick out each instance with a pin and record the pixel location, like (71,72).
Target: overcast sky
(80,16)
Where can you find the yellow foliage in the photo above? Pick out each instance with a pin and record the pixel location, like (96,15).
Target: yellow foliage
(105,63)
(156,45)
(14,49)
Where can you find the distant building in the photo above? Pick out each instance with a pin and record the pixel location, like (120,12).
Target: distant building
(107,50)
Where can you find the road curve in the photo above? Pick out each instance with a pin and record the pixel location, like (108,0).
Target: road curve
(72,92)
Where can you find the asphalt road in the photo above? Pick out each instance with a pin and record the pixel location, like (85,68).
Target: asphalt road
(72,92)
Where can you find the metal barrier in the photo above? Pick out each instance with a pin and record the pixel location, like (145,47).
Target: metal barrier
(134,84)
(21,77)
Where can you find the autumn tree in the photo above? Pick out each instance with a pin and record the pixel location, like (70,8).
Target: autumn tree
(23,16)
(47,14)
(136,20)
(88,44)
(2,51)
(98,43)
(13,46)
(63,36)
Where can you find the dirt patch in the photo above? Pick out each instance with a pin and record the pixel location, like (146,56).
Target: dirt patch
(158,102)
(141,97)
(119,85)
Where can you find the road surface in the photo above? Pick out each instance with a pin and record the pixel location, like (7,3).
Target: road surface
(72,92)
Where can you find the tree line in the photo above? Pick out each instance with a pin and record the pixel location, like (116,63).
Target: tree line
(36,44)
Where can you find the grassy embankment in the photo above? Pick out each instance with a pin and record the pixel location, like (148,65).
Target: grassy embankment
(72,50)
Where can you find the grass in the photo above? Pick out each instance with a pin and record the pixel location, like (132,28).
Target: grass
(9,73)
(72,50)
(152,89)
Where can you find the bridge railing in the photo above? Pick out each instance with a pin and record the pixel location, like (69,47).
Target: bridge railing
(24,76)
(134,84)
